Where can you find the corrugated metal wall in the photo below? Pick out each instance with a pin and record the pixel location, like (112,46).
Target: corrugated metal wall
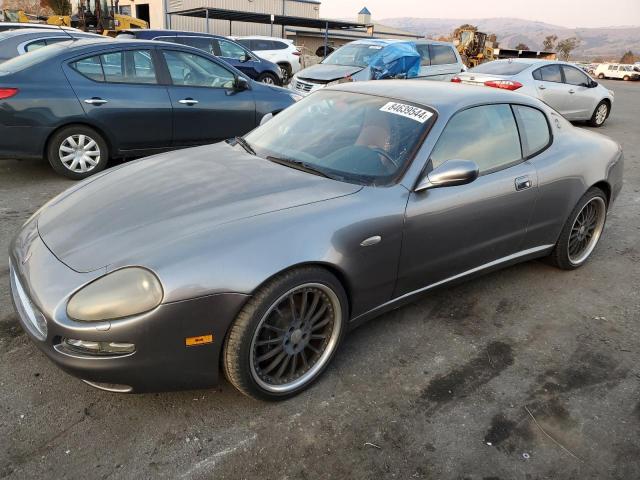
(221,27)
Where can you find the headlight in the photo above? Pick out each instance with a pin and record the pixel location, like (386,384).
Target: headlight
(119,294)
(295,97)
(342,80)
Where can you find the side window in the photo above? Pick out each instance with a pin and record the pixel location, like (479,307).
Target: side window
(425,58)
(90,68)
(261,45)
(194,70)
(442,55)
(534,129)
(246,43)
(279,45)
(488,135)
(30,47)
(231,50)
(550,73)
(573,76)
(129,66)
(200,43)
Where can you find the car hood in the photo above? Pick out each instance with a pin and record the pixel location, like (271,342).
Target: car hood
(327,73)
(158,200)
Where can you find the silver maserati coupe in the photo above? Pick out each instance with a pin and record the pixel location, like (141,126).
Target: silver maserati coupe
(257,255)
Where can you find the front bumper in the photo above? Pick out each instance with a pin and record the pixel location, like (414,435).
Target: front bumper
(162,361)
(304,87)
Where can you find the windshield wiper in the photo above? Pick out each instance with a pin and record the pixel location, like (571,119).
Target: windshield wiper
(244,144)
(299,165)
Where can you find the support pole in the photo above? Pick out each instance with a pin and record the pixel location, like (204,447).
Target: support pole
(207,20)
(326,38)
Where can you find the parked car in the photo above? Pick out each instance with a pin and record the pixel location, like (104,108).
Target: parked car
(559,84)
(618,71)
(258,256)
(4,26)
(280,51)
(231,52)
(19,42)
(438,61)
(81,103)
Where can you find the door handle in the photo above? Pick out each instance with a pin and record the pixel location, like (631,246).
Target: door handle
(188,101)
(96,101)
(522,183)
(542,87)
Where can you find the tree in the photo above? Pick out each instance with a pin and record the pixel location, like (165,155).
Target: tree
(549,43)
(59,7)
(522,46)
(566,46)
(629,57)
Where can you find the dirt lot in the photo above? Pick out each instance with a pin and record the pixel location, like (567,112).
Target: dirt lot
(528,373)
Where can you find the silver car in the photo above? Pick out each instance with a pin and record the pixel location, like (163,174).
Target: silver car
(561,85)
(19,42)
(257,256)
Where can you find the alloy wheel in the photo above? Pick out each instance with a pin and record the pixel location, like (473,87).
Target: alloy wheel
(268,80)
(586,230)
(601,113)
(79,153)
(295,338)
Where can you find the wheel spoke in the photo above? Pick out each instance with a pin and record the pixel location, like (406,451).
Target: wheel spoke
(81,140)
(294,364)
(318,337)
(312,348)
(292,305)
(66,149)
(271,341)
(303,305)
(314,305)
(321,324)
(67,157)
(274,363)
(71,141)
(318,314)
(303,356)
(272,328)
(283,366)
(274,351)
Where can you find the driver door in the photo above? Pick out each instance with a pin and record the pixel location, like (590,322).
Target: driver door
(452,231)
(206,107)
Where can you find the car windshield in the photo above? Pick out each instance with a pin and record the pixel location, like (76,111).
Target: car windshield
(500,68)
(36,56)
(353,55)
(351,137)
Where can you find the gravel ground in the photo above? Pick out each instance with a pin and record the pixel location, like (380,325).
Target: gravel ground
(528,373)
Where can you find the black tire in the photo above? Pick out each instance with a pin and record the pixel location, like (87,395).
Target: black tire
(560,256)
(286,72)
(237,353)
(269,79)
(601,76)
(626,78)
(59,141)
(597,120)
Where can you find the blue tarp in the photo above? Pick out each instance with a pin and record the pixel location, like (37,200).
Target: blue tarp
(400,58)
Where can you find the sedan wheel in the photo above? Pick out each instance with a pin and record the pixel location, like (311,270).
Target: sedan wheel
(286,335)
(600,114)
(77,152)
(268,78)
(582,231)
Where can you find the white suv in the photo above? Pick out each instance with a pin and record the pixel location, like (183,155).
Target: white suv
(277,50)
(617,70)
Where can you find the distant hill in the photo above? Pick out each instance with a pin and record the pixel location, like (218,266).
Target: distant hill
(609,42)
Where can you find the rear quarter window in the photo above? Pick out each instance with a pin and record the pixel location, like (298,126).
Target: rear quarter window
(534,130)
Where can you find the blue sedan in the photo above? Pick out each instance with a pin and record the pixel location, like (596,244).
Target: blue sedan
(81,103)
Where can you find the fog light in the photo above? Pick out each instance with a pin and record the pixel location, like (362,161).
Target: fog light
(99,348)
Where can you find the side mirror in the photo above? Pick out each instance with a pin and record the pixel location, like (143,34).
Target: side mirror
(266,118)
(593,84)
(241,83)
(449,174)
(245,58)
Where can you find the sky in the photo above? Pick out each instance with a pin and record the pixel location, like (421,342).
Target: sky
(568,13)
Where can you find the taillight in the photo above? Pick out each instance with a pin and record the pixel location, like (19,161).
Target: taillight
(456,80)
(503,84)
(296,53)
(7,92)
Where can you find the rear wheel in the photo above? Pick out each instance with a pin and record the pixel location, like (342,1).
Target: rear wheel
(600,114)
(626,78)
(286,335)
(582,231)
(286,72)
(77,152)
(601,76)
(268,78)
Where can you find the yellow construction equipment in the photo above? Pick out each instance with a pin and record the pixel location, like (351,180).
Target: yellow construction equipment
(473,46)
(16,16)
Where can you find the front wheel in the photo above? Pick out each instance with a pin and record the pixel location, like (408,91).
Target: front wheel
(600,114)
(626,78)
(286,335)
(601,76)
(77,152)
(582,231)
(268,78)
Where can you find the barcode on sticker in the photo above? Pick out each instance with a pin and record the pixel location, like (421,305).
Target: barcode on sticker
(409,111)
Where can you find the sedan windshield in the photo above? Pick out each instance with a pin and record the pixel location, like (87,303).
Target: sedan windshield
(346,136)
(353,55)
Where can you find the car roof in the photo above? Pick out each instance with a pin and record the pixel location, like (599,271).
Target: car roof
(22,25)
(444,97)
(168,33)
(44,31)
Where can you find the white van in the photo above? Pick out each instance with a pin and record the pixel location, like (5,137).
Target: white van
(617,70)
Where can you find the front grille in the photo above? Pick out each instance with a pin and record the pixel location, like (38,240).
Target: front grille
(303,86)
(31,317)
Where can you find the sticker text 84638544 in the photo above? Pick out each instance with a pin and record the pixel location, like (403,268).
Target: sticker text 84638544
(408,111)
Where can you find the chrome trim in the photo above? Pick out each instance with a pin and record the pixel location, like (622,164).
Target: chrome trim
(25,308)
(367,242)
(508,258)
(109,387)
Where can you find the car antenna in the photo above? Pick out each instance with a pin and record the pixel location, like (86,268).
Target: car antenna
(70,36)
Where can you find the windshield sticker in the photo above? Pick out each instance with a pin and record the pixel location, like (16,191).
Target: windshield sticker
(409,111)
